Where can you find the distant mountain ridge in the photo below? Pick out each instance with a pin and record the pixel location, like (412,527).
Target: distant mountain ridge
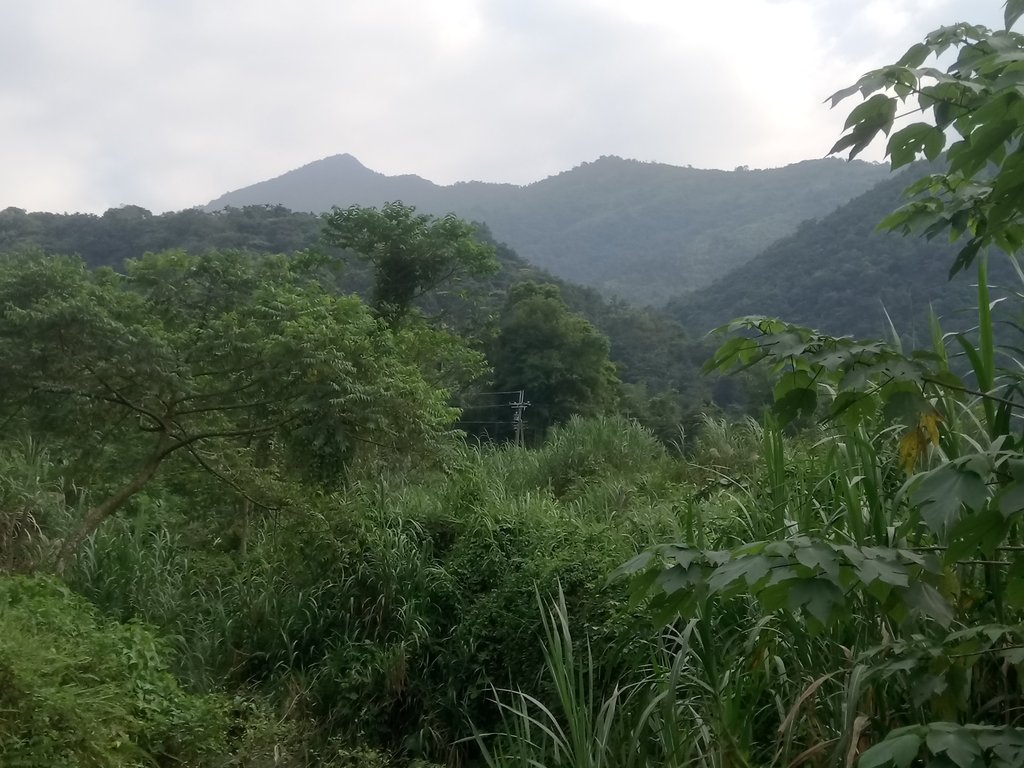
(643,231)
(839,274)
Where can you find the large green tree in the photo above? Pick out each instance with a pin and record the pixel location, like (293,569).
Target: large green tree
(555,355)
(225,360)
(411,253)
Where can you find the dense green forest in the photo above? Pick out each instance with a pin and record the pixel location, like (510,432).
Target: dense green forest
(644,232)
(659,364)
(841,275)
(245,518)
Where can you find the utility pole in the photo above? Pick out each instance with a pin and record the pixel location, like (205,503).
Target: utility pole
(518,406)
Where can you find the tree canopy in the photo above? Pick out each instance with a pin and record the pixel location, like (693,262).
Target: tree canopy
(411,253)
(217,358)
(555,355)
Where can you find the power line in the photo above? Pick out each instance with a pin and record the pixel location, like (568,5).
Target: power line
(518,407)
(488,394)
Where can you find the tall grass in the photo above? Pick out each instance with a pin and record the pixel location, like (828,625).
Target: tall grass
(32,507)
(383,612)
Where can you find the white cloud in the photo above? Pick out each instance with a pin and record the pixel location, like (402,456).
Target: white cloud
(169,104)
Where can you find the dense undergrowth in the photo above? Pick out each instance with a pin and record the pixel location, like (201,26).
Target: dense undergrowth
(393,621)
(288,558)
(377,617)
(462,614)
(384,611)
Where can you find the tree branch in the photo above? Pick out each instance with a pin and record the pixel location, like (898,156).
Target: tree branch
(227,480)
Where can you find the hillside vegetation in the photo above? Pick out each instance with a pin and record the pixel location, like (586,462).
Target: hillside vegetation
(246,517)
(842,275)
(640,231)
(658,362)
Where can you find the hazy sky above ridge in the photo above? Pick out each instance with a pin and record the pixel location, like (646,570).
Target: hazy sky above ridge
(169,104)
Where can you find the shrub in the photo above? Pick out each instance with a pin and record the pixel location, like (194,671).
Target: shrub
(79,690)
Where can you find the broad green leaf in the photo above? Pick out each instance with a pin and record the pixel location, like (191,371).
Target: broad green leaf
(865,122)
(1013,11)
(904,403)
(638,563)
(894,752)
(676,578)
(774,597)
(796,403)
(929,602)
(961,748)
(915,55)
(819,556)
(920,138)
(1015,583)
(1011,499)
(818,597)
(982,532)
(943,492)
(779,549)
(684,556)
(877,109)
(747,570)
(736,353)
(851,408)
(791,380)
(844,93)
(757,569)
(978,150)
(873,569)
(966,257)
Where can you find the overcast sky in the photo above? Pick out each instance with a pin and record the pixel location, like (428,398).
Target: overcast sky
(169,104)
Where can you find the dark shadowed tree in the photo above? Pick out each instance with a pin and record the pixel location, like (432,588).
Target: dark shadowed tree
(555,355)
(411,253)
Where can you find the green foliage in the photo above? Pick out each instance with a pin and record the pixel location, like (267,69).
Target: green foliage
(641,231)
(130,231)
(948,744)
(582,732)
(78,690)
(653,353)
(243,361)
(800,574)
(410,253)
(921,599)
(31,507)
(382,613)
(973,106)
(556,356)
(841,275)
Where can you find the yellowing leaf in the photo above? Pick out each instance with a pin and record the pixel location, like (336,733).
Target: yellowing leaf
(930,424)
(912,445)
(915,441)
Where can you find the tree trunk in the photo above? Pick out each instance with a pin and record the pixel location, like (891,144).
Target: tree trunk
(95,516)
(243,528)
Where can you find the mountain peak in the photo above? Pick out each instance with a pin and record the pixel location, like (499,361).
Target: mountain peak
(641,230)
(344,160)
(339,180)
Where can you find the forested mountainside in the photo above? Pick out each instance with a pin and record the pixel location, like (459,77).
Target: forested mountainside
(250,514)
(841,275)
(642,231)
(130,231)
(654,354)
